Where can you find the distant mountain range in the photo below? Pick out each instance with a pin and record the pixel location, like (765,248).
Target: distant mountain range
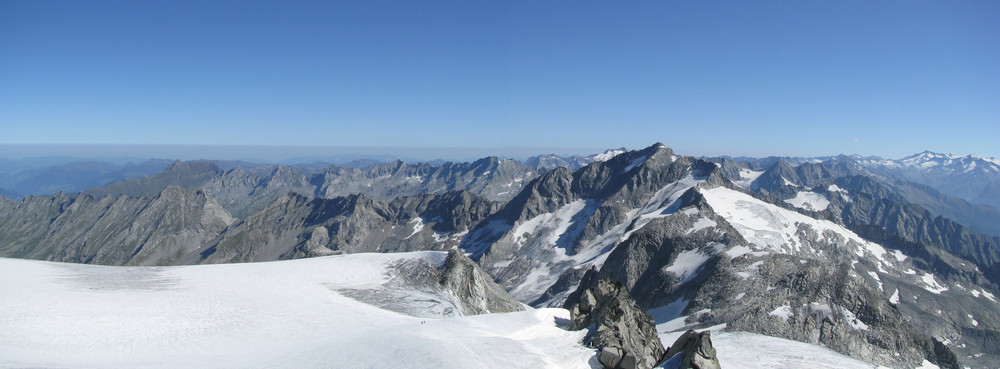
(849,253)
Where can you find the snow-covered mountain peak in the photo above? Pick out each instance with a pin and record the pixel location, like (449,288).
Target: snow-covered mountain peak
(928,159)
(607,154)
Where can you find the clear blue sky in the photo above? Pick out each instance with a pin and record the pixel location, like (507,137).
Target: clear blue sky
(705,77)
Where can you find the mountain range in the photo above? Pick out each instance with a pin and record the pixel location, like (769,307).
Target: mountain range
(859,255)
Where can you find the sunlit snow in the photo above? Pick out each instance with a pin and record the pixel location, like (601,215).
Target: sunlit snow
(286,314)
(809,201)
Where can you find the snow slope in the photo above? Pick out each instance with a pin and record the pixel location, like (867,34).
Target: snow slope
(809,201)
(738,350)
(287,314)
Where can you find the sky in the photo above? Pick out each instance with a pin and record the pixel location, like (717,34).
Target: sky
(791,78)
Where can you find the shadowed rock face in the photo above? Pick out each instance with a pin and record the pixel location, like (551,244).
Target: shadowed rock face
(624,334)
(692,350)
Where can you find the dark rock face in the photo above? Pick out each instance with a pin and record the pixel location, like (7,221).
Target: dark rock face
(692,350)
(624,334)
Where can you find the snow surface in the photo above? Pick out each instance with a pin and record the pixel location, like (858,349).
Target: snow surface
(607,155)
(286,314)
(636,162)
(770,227)
(927,365)
(932,284)
(809,201)
(742,350)
(853,320)
(687,264)
(418,225)
(784,312)
(552,226)
(747,177)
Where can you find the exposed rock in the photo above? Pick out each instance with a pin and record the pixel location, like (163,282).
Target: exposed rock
(289,227)
(693,350)
(473,289)
(624,334)
(453,286)
(121,230)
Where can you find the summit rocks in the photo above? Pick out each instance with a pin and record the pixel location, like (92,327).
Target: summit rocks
(623,334)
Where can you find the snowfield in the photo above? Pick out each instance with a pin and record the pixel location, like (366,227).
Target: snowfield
(292,314)
(809,201)
(286,314)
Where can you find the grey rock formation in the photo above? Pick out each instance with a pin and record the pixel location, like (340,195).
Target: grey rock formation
(623,334)
(591,208)
(692,350)
(474,290)
(245,190)
(120,230)
(492,178)
(552,161)
(455,287)
(296,226)
(183,226)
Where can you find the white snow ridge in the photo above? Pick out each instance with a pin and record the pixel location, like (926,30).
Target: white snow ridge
(286,314)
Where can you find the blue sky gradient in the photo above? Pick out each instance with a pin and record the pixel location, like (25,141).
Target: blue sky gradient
(797,78)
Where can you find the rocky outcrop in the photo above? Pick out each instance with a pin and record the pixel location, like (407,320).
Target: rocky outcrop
(623,334)
(692,350)
(437,285)
(474,291)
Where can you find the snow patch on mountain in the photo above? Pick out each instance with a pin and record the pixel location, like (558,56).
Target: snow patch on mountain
(418,225)
(686,264)
(747,177)
(769,227)
(636,162)
(664,202)
(932,284)
(553,227)
(784,312)
(809,201)
(607,155)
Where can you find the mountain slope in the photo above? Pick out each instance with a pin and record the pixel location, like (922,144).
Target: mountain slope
(296,226)
(121,230)
(244,191)
(562,219)
(761,268)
